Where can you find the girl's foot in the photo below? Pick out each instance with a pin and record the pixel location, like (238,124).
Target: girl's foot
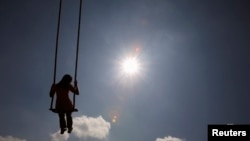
(70,129)
(62,130)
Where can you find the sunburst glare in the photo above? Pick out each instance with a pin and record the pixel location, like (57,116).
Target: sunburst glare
(130,66)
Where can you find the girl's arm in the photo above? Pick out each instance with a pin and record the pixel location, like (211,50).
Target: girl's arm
(52,90)
(74,89)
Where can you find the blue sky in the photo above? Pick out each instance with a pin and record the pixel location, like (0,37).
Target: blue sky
(194,58)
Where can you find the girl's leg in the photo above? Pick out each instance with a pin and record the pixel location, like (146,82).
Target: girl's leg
(69,121)
(62,122)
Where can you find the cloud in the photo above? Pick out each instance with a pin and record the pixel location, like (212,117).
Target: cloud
(169,138)
(10,138)
(85,127)
(59,137)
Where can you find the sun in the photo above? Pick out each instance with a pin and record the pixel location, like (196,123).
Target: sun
(130,65)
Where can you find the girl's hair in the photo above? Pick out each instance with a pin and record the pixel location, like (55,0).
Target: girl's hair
(65,81)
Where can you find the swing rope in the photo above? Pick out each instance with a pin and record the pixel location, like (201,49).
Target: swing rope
(56,50)
(57,42)
(77,48)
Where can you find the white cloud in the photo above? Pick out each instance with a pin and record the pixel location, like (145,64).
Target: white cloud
(85,127)
(169,138)
(10,138)
(59,137)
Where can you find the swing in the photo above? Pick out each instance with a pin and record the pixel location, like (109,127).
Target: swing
(76,60)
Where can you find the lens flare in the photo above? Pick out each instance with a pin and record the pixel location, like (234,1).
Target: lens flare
(114,118)
(130,66)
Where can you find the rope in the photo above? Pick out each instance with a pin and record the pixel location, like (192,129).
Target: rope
(57,41)
(77,48)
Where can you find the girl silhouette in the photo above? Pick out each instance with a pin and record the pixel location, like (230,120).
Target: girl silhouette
(64,106)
